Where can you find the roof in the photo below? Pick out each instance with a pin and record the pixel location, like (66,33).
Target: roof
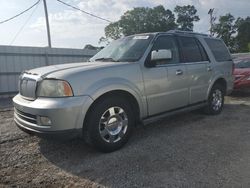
(188,33)
(176,32)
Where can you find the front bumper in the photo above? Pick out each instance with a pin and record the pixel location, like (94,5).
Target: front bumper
(66,115)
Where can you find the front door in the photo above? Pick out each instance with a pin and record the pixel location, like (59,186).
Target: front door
(165,83)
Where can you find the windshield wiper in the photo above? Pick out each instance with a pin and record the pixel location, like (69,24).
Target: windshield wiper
(106,59)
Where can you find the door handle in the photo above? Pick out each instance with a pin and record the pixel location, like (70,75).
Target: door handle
(179,72)
(209,68)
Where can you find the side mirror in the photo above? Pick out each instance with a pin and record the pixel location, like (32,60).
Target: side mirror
(164,54)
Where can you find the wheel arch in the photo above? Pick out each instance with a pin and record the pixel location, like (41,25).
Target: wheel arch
(219,80)
(121,93)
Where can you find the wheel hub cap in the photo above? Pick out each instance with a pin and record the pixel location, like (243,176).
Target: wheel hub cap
(217,100)
(113,124)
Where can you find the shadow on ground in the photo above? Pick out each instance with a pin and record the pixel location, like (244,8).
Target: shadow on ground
(185,150)
(241,93)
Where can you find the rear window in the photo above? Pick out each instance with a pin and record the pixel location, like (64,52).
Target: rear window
(190,49)
(218,49)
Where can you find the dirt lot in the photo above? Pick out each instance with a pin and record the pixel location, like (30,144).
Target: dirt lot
(188,150)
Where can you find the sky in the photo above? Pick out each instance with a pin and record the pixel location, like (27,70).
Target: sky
(72,29)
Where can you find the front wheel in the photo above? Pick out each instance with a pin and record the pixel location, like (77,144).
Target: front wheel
(109,124)
(215,100)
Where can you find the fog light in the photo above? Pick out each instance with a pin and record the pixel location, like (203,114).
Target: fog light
(45,120)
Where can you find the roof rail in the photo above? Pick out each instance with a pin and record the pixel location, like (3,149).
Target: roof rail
(187,32)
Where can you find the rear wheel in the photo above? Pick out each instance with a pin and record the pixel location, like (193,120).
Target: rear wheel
(109,124)
(215,100)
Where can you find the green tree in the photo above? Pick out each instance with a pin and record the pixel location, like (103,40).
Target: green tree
(113,30)
(91,47)
(141,20)
(225,29)
(243,36)
(186,16)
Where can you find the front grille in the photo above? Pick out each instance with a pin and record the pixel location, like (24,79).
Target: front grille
(28,87)
(26,116)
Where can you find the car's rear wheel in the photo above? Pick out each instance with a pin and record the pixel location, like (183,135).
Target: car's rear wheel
(109,124)
(215,100)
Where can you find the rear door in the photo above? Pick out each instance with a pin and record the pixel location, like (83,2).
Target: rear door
(198,68)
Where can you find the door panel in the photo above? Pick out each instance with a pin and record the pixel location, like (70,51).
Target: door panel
(165,90)
(177,87)
(198,68)
(198,79)
(165,83)
(155,81)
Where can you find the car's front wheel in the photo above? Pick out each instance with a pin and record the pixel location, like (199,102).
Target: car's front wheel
(109,124)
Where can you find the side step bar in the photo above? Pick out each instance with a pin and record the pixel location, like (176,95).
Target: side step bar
(154,118)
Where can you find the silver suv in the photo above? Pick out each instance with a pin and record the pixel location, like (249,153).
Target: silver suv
(138,78)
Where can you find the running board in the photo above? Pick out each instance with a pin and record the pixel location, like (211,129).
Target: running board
(154,118)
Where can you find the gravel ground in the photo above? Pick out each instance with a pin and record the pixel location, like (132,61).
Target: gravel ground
(188,150)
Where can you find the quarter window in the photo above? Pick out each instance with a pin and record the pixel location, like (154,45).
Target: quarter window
(218,49)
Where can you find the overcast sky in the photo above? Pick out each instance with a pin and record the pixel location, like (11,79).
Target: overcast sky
(73,29)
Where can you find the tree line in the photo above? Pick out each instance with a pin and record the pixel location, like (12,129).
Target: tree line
(234,31)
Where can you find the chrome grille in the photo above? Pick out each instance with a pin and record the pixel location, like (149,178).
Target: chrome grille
(26,116)
(28,87)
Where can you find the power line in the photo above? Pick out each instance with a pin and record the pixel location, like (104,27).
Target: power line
(84,11)
(20,30)
(11,18)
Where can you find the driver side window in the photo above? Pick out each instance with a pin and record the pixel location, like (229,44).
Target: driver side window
(167,43)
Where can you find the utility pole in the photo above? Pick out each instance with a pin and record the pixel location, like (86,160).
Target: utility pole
(47,22)
(212,19)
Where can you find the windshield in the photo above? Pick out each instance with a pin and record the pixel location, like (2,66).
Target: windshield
(125,49)
(242,62)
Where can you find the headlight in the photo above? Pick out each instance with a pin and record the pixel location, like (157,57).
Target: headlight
(54,88)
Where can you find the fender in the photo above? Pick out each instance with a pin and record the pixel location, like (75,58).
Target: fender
(215,78)
(110,84)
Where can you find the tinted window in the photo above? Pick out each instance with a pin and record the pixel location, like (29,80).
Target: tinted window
(190,49)
(167,42)
(218,49)
(203,52)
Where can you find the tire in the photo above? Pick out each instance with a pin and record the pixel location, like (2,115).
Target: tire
(215,100)
(109,124)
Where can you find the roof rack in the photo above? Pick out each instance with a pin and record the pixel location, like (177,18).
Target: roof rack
(188,32)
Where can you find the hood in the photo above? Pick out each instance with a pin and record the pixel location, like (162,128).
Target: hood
(70,68)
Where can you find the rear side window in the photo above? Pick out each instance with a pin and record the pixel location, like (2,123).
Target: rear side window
(190,49)
(218,49)
(203,52)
